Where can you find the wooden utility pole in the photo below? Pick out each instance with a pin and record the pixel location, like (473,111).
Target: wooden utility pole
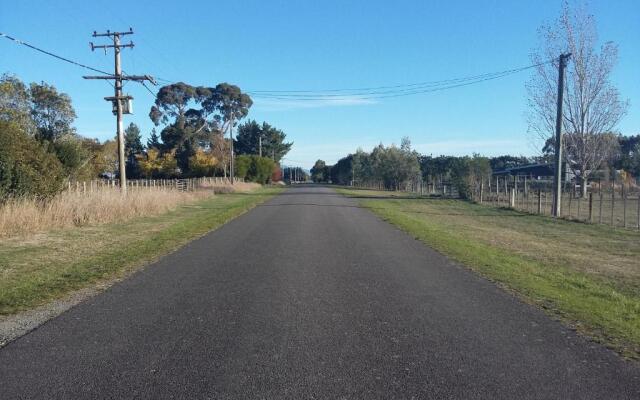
(231,163)
(260,145)
(121,104)
(557,177)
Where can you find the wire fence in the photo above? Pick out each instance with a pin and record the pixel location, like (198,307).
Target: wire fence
(182,185)
(615,204)
(423,188)
(610,203)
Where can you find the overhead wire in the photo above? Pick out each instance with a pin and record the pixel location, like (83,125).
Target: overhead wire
(398,86)
(21,42)
(362,93)
(400,90)
(18,41)
(147,87)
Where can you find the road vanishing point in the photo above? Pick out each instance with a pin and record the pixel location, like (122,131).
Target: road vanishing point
(309,296)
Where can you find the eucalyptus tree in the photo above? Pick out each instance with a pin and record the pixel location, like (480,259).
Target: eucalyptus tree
(192,116)
(52,112)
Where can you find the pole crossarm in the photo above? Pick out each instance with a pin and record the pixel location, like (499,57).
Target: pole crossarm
(114,98)
(110,46)
(137,78)
(109,33)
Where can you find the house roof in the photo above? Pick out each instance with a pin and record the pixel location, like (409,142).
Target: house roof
(528,170)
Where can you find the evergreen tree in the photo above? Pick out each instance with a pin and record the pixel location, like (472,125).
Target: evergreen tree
(132,148)
(154,140)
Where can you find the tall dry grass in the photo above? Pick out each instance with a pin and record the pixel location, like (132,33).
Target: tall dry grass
(22,216)
(221,187)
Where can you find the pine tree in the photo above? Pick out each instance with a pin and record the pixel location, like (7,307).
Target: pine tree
(154,141)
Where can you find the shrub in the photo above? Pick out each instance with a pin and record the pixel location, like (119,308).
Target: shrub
(26,167)
(72,154)
(276,176)
(242,164)
(156,165)
(468,172)
(261,169)
(202,163)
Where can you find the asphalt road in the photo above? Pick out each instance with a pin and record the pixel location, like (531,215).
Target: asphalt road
(309,297)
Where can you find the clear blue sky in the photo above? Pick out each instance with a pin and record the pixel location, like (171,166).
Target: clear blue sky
(319,45)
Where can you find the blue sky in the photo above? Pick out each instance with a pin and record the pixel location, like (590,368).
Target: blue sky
(274,45)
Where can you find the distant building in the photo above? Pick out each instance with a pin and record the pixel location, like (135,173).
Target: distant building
(534,171)
(530,170)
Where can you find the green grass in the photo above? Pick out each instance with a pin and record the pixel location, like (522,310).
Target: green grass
(587,275)
(44,267)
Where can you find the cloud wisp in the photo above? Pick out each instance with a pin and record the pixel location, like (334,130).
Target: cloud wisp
(267,104)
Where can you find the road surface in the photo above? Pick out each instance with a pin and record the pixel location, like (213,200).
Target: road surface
(309,297)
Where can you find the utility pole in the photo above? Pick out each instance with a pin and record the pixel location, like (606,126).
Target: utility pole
(353,176)
(260,145)
(121,104)
(557,178)
(231,163)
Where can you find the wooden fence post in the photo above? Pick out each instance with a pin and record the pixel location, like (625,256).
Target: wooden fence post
(624,206)
(600,207)
(481,190)
(512,200)
(638,212)
(579,202)
(540,203)
(613,204)
(591,207)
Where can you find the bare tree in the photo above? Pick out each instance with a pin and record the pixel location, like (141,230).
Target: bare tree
(591,107)
(220,148)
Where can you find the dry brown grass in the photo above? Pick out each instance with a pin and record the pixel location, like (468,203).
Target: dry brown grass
(240,187)
(28,216)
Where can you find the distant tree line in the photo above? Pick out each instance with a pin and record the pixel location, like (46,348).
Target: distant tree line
(395,167)
(40,149)
(296,174)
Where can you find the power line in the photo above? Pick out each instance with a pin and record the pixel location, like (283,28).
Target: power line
(374,96)
(379,92)
(426,83)
(18,41)
(165,80)
(147,87)
(363,93)
(396,90)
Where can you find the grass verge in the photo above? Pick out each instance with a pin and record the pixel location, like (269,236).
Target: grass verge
(587,275)
(39,268)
